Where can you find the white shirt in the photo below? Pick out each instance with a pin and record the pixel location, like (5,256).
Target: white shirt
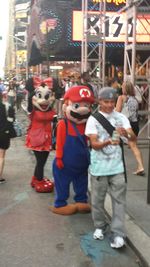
(108,160)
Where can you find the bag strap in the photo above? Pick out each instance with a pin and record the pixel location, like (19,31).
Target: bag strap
(105,123)
(110,128)
(78,133)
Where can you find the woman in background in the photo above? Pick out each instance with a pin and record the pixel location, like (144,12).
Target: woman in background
(129,98)
(4,134)
(11,94)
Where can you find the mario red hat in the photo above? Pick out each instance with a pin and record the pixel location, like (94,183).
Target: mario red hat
(79,93)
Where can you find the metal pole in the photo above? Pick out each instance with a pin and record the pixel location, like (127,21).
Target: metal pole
(47,50)
(16,47)
(104,45)
(134,45)
(148,183)
(82,43)
(125,46)
(26,69)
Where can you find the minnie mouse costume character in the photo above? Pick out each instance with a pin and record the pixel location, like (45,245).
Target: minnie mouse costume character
(72,154)
(39,137)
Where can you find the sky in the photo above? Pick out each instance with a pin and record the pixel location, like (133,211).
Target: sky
(4,16)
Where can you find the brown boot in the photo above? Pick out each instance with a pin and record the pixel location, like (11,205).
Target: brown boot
(66,210)
(83,207)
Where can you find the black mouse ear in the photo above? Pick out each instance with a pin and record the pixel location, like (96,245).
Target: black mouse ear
(30,85)
(43,84)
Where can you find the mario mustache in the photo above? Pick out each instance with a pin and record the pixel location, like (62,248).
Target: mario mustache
(79,116)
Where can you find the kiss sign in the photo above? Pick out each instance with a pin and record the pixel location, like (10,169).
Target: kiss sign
(115,26)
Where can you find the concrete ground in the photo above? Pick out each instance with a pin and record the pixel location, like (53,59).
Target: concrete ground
(32,236)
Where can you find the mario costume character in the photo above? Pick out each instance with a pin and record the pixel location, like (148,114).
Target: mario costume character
(39,137)
(72,154)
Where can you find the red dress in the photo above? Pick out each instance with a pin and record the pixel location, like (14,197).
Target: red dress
(40,120)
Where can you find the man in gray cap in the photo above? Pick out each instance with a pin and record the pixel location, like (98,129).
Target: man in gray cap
(107,168)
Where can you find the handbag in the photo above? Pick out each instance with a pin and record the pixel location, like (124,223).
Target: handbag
(11,130)
(37,137)
(14,129)
(110,129)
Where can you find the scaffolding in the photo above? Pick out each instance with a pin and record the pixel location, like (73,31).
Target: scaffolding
(137,15)
(93,50)
(93,40)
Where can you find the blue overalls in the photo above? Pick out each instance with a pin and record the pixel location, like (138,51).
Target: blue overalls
(76,159)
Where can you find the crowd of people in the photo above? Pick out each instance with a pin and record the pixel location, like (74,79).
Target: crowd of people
(13,91)
(106,129)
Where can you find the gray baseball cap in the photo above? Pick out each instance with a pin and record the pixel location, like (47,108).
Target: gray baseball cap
(107,93)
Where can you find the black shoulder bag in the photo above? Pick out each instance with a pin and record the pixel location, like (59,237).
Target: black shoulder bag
(109,128)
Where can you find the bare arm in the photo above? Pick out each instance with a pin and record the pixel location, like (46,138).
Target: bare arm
(128,133)
(119,103)
(96,144)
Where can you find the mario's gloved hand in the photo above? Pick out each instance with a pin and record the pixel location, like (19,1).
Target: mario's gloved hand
(59,163)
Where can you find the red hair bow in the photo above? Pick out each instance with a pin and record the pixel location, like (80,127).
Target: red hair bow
(37,82)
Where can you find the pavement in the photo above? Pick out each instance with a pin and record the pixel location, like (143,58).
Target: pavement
(32,236)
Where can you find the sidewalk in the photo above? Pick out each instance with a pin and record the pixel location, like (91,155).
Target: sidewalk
(31,236)
(138,211)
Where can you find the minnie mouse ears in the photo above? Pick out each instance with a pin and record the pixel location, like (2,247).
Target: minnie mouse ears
(35,82)
(39,82)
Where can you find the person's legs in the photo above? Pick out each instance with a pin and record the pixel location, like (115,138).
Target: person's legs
(18,102)
(117,191)
(39,182)
(62,186)
(98,193)
(2,162)
(137,154)
(80,185)
(41,158)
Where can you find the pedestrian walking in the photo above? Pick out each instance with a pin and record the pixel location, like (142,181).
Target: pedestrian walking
(4,133)
(128,98)
(107,167)
(20,93)
(11,94)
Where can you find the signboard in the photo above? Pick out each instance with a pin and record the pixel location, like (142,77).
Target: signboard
(21,56)
(23,6)
(116,2)
(115,26)
(20,15)
(52,27)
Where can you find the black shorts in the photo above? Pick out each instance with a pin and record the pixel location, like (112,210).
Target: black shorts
(135,127)
(4,142)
